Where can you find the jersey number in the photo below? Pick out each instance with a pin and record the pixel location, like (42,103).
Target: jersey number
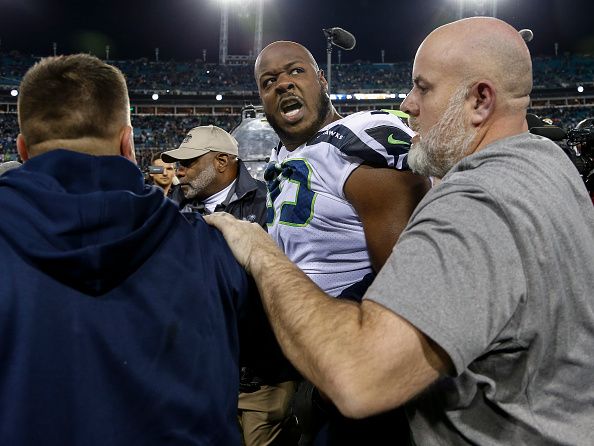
(300,210)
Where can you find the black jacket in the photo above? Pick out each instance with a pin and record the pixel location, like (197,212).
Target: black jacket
(246,201)
(259,350)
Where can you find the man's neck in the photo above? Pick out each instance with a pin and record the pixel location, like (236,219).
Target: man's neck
(89,146)
(219,197)
(500,128)
(332,117)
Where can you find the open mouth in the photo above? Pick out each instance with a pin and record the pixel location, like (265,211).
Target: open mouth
(290,108)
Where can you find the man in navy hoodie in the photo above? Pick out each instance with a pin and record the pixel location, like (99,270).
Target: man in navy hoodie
(118,316)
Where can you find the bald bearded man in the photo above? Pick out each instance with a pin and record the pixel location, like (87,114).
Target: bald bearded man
(482,320)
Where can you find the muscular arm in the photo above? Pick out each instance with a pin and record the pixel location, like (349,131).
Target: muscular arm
(384,200)
(363,356)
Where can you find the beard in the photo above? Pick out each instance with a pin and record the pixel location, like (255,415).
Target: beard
(446,143)
(322,108)
(195,187)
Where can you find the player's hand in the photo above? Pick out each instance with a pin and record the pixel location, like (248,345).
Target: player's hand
(244,238)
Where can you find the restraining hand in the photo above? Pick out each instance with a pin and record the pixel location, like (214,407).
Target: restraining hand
(248,241)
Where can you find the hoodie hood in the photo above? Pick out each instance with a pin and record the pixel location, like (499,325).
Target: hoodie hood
(87,221)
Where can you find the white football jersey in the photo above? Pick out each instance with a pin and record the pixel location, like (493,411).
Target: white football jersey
(308,214)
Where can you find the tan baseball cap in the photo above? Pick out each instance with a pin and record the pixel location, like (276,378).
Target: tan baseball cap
(201,140)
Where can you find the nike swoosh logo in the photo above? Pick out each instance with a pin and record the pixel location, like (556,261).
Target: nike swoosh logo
(391,140)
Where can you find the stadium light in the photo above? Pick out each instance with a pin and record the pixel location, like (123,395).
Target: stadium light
(219,97)
(580,89)
(469,8)
(14,92)
(155,96)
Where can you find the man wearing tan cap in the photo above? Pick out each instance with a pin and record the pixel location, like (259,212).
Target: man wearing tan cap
(209,173)
(213,178)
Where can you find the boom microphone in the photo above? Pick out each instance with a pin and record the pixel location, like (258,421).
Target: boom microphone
(526,34)
(8,165)
(341,38)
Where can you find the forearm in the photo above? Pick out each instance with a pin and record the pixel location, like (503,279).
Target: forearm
(363,356)
(309,325)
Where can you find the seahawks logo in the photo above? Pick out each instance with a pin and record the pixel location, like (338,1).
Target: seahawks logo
(187,138)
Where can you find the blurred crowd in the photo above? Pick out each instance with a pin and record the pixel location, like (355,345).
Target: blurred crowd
(179,77)
(153,133)
(162,132)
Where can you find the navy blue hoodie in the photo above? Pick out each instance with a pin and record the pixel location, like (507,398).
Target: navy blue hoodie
(118,317)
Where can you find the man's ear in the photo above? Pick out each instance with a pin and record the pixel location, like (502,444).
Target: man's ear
(482,97)
(127,143)
(22,147)
(222,161)
(322,80)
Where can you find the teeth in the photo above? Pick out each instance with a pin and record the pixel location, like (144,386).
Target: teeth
(289,105)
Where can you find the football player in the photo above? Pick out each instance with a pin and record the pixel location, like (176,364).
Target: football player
(331,202)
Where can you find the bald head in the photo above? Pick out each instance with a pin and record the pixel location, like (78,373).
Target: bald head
(293,91)
(471,86)
(484,48)
(279,48)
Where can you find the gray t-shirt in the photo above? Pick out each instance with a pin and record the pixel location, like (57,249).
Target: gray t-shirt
(497,267)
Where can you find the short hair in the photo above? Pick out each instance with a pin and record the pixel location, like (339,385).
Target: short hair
(72,97)
(155,157)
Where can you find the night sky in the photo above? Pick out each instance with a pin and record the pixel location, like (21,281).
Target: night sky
(183,28)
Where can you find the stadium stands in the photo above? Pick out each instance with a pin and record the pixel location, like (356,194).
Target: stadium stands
(162,126)
(197,77)
(9,129)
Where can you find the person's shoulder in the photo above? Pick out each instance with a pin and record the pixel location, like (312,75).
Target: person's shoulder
(246,182)
(261,186)
(372,118)
(523,151)
(351,128)
(378,137)
(205,238)
(386,127)
(201,230)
